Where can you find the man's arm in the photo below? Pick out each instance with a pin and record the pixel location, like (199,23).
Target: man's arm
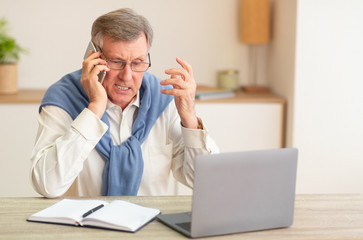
(191,138)
(187,143)
(62,145)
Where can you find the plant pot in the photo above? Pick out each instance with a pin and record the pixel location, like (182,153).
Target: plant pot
(8,78)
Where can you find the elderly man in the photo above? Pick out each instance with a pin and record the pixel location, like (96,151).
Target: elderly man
(122,135)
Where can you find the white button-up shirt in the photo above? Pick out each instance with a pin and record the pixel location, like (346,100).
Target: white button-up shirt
(65,161)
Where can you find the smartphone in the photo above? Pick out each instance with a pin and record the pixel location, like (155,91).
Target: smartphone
(91,46)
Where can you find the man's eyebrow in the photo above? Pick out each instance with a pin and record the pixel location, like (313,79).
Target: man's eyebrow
(142,57)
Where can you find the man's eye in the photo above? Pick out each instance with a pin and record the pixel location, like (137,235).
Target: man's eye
(117,61)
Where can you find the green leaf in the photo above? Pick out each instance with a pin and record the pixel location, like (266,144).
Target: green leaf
(9,49)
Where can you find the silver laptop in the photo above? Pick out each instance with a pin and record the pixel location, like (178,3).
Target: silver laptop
(239,192)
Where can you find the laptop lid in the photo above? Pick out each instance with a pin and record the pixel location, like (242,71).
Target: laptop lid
(243,191)
(239,192)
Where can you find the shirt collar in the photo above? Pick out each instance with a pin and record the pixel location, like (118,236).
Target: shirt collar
(135,102)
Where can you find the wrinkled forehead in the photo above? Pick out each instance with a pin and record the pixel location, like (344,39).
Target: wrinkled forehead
(125,50)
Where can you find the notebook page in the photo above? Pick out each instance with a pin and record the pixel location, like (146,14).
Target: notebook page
(66,211)
(121,215)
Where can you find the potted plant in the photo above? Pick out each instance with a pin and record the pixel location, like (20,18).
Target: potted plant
(9,56)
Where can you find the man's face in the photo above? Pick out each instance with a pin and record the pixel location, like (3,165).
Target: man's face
(122,85)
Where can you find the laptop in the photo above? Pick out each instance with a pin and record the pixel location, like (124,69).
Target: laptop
(239,192)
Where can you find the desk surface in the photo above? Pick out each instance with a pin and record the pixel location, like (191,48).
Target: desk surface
(316,217)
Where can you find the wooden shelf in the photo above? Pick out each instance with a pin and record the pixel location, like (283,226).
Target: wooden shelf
(242,97)
(29,96)
(24,96)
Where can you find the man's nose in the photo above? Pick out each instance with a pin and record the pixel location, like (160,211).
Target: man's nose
(126,73)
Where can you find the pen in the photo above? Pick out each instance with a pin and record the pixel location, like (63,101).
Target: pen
(93,210)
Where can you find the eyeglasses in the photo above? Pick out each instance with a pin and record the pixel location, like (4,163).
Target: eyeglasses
(117,64)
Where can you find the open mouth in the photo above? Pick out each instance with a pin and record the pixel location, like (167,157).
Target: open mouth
(122,88)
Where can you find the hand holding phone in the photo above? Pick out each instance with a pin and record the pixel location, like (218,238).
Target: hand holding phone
(96,93)
(91,46)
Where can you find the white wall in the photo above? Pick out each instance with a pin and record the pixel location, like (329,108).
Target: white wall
(316,65)
(56,33)
(328,117)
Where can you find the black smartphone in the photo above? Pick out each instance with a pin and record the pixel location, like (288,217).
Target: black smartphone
(91,46)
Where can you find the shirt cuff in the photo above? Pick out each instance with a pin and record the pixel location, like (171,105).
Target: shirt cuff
(195,138)
(89,125)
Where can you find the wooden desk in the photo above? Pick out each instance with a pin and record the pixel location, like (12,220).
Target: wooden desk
(316,217)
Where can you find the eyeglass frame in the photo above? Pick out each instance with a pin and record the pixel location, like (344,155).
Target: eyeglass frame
(125,62)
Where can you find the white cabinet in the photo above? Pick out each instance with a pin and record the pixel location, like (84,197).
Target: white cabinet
(243,126)
(18,129)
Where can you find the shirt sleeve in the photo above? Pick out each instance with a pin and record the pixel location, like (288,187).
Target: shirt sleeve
(188,143)
(61,147)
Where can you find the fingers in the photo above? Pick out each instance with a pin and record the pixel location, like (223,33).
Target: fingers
(185,65)
(173,91)
(93,60)
(174,81)
(181,79)
(186,72)
(182,73)
(93,65)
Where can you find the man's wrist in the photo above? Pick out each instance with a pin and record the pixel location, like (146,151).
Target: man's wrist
(97,109)
(197,124)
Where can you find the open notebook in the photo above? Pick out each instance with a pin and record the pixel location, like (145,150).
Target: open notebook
(117,215)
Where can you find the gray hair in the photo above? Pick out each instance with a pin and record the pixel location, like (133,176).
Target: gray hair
(122,24)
